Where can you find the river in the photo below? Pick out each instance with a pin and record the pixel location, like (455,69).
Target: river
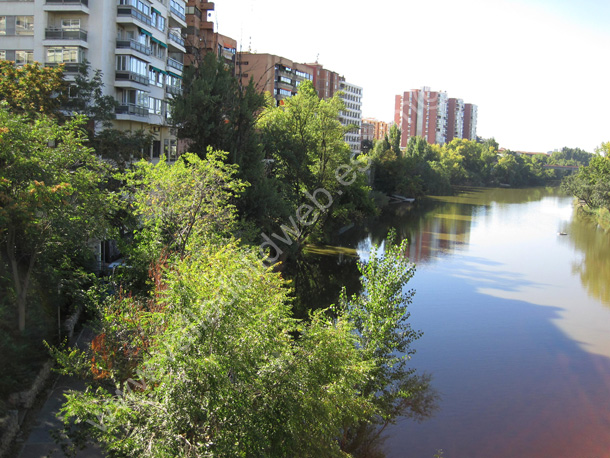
(516,322)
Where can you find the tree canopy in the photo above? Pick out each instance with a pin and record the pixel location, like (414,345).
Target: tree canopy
(50,195)
(212,363)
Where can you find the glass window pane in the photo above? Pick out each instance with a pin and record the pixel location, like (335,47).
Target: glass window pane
(24,25)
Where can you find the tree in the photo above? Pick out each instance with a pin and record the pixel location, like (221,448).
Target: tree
(304,140)
(122,147)
(50,196)
(211,362)
(181,203)
(31,89)
(86,97)
(215,110)
(592,183)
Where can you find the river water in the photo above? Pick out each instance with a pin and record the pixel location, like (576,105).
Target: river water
(516,322)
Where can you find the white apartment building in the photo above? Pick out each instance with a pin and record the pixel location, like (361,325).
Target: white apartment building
(137,44)
(352,114)
(470,121)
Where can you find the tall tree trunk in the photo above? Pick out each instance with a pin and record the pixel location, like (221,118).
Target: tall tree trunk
(21,285)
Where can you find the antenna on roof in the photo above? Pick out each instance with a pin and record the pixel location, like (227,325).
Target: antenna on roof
(317,57)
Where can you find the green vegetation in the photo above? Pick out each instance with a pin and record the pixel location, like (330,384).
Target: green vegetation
(51,205)
(424,169)
(200,349)
(591,185)
(210,362)
(197,345)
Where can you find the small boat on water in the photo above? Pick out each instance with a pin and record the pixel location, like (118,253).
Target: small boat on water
(562,233)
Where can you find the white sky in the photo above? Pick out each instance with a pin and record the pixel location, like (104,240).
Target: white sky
(538,70)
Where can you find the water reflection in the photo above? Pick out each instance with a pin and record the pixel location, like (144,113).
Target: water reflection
(593,268)
(317,276)
(514,328)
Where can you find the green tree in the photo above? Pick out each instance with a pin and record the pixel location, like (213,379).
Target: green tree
(211,363)
(215,110)
(86,97)
(381,317)
(31,89)
(592,183)
(303,139)
(50,197)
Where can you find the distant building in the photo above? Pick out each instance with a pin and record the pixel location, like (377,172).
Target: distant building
(200,30)
(200,37)
(470,121)
(367,131)
(422,113)
(455,119)
(325,81)
(277,75)
(381,128)
(351,115)
(434,116)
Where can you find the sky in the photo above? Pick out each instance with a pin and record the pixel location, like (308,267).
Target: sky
(538,70)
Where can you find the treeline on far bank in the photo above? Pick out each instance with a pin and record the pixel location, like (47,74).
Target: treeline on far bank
(424,169)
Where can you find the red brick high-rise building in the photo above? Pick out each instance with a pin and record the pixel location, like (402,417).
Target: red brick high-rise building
(422,113)
(434,116)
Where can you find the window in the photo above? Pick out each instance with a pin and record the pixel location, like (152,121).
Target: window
(157,50)
(24,57)
(193,10)
(155,77)
(70,24)
(2,25)
(131,64)
(155,106)
(173,81)
(68,54)
(135,97)
(157,20)
(160,23)
(24,25)
(3,55)
(170,149)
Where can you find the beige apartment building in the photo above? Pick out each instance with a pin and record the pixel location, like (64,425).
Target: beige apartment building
(137,44)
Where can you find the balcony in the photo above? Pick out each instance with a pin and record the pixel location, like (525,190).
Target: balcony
(174,90)
(124,11)
(132,110)
(65,34)
(70,68)
(177,13)
(129,43)
(67,5)
(177,16)
(67,2)
(175,64)
(127,76)
(173,36)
